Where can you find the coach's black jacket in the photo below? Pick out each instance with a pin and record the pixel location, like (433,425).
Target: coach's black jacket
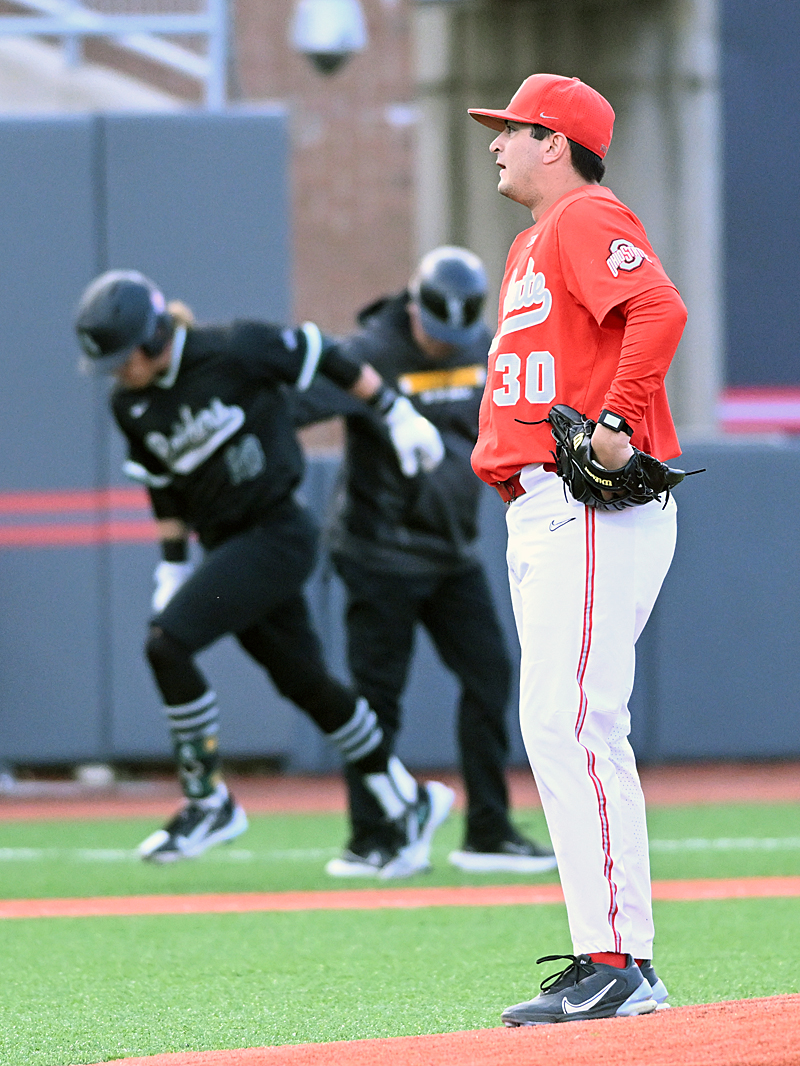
(381,518)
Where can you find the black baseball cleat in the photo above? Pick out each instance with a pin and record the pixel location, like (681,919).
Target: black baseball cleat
(512,853)
(360,861)
(657,986)
(585,989)
(417,826)
(193,830)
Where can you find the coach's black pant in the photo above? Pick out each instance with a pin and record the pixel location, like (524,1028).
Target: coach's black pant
(383,610)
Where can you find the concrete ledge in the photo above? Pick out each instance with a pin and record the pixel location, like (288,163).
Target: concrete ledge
(35,79)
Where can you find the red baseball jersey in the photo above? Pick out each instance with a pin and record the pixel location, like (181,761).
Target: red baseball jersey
(560,334)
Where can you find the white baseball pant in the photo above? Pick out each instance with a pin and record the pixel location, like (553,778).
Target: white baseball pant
(583,584)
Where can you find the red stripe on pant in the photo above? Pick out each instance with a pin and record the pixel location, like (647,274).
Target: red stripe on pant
(586,644)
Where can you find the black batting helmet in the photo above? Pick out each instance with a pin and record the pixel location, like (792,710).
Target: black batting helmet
(121,310)
(449,288)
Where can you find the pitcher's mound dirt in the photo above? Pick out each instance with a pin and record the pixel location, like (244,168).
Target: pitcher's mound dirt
(754,1032)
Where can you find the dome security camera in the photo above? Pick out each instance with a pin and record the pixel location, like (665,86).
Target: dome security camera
(328,32)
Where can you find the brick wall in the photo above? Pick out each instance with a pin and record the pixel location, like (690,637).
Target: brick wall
(351,161)
(352,155)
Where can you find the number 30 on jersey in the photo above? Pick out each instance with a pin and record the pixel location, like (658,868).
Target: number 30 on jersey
(537,377)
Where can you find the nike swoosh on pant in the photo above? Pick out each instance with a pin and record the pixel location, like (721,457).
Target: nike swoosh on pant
(575,1008)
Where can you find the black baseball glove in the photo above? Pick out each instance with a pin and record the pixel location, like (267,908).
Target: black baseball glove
(642,479)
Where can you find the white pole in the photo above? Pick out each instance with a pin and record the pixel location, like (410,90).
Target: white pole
(217,82)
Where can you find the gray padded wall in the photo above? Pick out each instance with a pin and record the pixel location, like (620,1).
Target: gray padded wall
(201,203)
(47,223)
(48,437)
(719,668)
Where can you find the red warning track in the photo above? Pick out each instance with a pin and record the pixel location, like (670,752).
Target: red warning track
(701,783)
(376,899)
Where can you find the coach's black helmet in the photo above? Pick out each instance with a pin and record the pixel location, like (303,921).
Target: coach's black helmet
(121,310)
(449,288)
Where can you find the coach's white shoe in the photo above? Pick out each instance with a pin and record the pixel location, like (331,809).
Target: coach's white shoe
(420,822)
(355,863)
(514,854)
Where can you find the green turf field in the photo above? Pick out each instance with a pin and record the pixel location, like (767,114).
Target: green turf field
(88,989)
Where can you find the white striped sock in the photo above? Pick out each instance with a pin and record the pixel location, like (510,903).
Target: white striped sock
(200,717)
(395,790)
(360,735)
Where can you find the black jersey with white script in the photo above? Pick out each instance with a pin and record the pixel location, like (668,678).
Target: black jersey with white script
(213,439)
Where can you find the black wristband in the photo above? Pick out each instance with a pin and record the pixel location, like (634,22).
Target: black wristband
(335,364)
(616,423)
(175,550)
(383,399)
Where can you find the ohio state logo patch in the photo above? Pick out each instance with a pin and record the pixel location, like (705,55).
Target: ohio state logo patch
(625,256)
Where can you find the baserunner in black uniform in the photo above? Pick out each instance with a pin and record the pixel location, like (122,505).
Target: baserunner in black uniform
(406,551)
(210,433)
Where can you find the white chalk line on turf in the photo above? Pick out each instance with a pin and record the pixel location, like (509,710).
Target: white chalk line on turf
(243,855)
(728,844)
(111,855)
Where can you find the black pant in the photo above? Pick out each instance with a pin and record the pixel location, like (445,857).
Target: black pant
(252,585)
(383,610)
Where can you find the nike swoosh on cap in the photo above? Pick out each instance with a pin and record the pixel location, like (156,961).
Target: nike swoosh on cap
(543,115)
(575,1008)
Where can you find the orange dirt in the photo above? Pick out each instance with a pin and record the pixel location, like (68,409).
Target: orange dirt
(755,1032)
(367,899)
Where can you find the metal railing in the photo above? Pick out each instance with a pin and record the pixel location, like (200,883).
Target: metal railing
(141,32)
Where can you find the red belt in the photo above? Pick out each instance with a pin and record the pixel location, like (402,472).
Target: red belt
(510,489)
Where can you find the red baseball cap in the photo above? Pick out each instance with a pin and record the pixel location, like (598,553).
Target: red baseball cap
(566,105)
